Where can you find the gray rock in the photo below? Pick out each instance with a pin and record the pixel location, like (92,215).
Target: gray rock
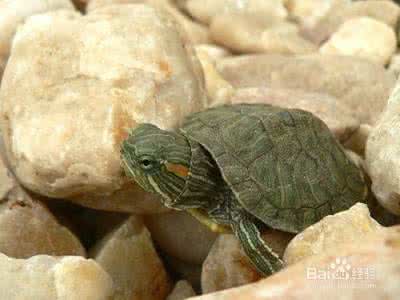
(358,84)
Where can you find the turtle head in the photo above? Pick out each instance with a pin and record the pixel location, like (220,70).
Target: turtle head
(158,161)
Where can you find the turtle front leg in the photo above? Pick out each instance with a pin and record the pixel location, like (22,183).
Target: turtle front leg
(205,220)
(263,257)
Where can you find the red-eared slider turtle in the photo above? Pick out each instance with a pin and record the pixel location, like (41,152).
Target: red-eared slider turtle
(242,165)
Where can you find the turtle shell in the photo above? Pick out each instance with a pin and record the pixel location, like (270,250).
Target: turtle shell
(284,165)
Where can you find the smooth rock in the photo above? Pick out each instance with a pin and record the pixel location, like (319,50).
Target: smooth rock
(181,291)
(382,155)
(180,235)
(360,85)
(365,38)
(336,116)
(181,4)
(394,64)
(73,87)
(369,270)
(218,89)
(309,12)
(193,32)
(13,13)
(249,33)
(45,277)
(242,32)
(285,39)
(214,52)
(128,255)
(332,232)
(227,265)
(206,10)
(27,227)
(383,11)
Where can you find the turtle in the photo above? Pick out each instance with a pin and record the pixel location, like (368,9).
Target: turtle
(244,166)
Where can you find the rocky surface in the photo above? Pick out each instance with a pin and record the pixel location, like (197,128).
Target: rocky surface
(309,12)
(367,270)
(206,10)
(27,227)
(45,277)
(214,52)
(332,232)
(394,64)
(181,291)
(193,32)
(180,235)
(77,79)
(227,266)
(341,11)
(86,84)
(248,33)
(351,80)
(363,37)
(382,159)
(218,89)
(13,14)
(128,256)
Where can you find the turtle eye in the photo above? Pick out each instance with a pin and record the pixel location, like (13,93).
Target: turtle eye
(146,163)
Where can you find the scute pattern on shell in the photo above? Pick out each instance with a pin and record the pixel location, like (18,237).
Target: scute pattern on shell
(284,165)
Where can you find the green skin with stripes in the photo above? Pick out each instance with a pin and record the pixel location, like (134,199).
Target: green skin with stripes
(194,169)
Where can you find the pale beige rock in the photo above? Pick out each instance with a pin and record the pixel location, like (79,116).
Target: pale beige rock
(180,235)
(378,258)
(206,10)
(363,37)
(214,52)
(128,255)
(285,39)
(336,116)
(387,12)
(241,31)
(382,155)
(194,32)
(309,12)
(227,265)
(218,89)
(249,33)
(45,277)
(74,86)
(13,13)
(181,291)
(394,65)
(360,85)
(129,198)
(181,4)
(27,227)
(332,232)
